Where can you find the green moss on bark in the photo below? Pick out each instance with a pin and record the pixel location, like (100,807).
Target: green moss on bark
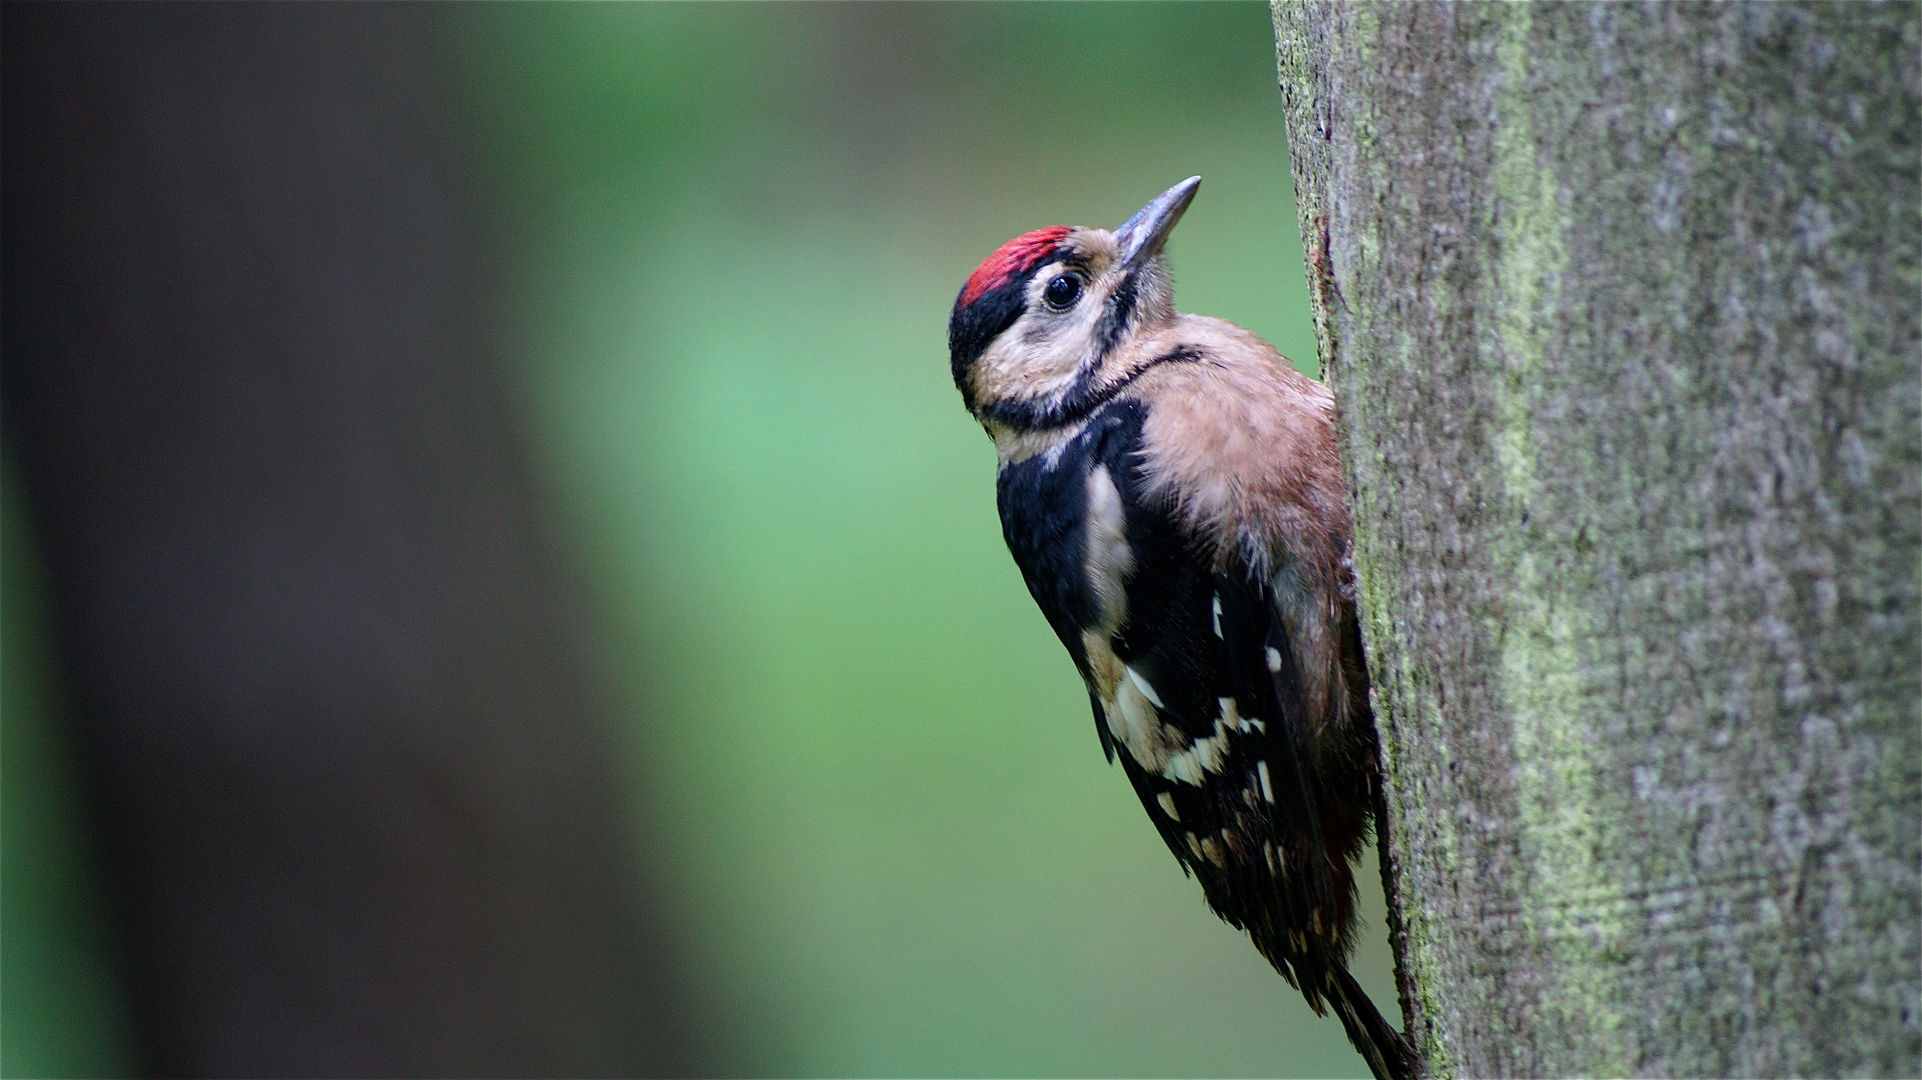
(1617,303)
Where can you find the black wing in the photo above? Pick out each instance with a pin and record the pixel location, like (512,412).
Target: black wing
(1250,830)
(1234,802)
(1220,746)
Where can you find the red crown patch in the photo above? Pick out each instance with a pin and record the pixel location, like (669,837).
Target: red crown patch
(1010,259)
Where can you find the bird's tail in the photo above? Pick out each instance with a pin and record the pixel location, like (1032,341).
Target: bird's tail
(1388,1053)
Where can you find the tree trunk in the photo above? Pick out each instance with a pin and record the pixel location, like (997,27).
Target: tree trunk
(1619,304)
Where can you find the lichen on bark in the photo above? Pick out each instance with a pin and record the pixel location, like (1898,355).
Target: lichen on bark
(1619,305)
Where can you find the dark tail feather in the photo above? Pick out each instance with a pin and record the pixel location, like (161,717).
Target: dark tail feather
(1387,1052)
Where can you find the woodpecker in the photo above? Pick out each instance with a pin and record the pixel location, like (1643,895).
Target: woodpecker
(1169,487)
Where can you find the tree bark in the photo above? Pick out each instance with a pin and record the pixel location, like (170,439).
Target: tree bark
(1619,305)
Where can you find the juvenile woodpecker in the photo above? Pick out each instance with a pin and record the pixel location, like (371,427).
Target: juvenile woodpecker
(1170,489)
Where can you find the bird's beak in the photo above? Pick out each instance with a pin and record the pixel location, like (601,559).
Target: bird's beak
(1142,235)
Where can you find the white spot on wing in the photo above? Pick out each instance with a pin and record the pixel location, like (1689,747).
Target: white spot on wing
(1141,724)
(1206,755)
(1267,789)
(1183,767)
(1146,690)
(1217,605)
(1132,709)
(1274,659)
(1132,718)
(1167,802)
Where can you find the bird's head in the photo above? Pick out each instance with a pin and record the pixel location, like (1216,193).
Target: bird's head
(1040,332)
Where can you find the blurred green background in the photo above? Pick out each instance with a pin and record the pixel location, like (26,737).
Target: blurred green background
(864,762)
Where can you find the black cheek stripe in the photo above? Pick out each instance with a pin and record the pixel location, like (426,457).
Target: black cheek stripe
(1084,399)
(1114,321)
(973,327)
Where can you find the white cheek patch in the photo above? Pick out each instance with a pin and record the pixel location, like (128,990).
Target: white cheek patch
(1022,365)
(1044,354)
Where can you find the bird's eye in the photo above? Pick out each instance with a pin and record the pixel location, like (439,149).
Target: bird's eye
(1062,292)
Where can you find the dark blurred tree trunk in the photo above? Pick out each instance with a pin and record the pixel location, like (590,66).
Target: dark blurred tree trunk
(356,801)
(1620,306)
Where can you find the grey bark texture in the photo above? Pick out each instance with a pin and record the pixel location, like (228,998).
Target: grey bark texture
(1620,306)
